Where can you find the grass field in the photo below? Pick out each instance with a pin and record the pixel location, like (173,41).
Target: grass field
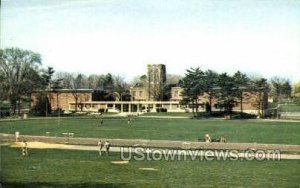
(289,108)
(64,168)
(161,129)
(59,168)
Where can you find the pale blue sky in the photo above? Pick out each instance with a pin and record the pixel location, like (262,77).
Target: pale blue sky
(122,36)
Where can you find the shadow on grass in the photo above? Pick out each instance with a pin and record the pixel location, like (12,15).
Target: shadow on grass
(220,114)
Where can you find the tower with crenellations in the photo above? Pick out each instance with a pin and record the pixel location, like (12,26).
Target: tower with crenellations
(156,79)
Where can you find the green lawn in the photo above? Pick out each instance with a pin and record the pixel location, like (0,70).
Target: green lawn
(162,129)
(289,108)
(60,168)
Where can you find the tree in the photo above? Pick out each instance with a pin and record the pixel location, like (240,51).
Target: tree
(173,79)
(296,89)
(193,86)
(66,79)
(210,83)
(286,89)
(281,88)
(241,81)
(2,80)
(47,77)
(44,100)
(43,106)
(77,83)
(108,82)
(262,87)
(92,81)
(52,85)
(121,87)
(297,100)
(227,93)
(141,79)
(167,91)
(20,74)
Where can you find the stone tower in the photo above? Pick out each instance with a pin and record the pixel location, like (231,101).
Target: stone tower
(156,76)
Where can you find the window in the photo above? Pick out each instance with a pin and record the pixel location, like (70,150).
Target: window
(176,94)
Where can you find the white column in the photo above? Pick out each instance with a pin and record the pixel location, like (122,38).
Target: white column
(121,107)
(129,107)
(154,107)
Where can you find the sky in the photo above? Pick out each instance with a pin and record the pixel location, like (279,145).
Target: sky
(258,37)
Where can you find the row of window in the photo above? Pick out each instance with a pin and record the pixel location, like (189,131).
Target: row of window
(140,94)
(137,93)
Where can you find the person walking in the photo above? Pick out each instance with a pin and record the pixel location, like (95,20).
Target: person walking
(107,147)
(100,144)
(24,148)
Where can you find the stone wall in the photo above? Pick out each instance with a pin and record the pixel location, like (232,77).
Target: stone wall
(138,93)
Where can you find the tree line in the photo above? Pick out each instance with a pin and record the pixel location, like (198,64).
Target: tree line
(230,90)
(22,73)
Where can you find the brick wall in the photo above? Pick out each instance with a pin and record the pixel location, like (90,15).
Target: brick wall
(62,99)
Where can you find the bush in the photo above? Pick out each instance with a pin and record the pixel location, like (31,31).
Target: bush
(297,100)
(102,110)
(4,112)
(4,109)
(238,115)
(220,114)
(161,110)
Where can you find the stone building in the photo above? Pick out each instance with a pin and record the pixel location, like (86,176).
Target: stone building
(152,89)
(156,79)
(138,92)
(176,93)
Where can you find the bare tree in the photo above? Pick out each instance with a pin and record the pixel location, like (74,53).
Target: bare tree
(76,84)
(121,87)
(281,88)
(19,70)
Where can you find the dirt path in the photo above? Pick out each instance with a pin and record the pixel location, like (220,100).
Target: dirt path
(167,144)
(42,145)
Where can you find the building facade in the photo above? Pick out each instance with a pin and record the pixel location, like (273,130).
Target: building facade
(145,97)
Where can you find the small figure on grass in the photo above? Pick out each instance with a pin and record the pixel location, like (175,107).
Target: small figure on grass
(222,139)
(17,134)
(129,120)
(101,122)
(207,138)
(100,144)
(24,148)
(107,147)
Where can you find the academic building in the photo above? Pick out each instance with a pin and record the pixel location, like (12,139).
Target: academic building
(144,97)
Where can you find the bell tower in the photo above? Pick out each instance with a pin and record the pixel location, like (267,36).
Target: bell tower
(156,76)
